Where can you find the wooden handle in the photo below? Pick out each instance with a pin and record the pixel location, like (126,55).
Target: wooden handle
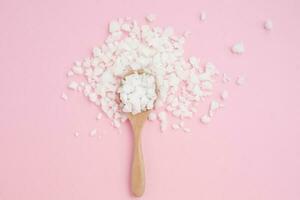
(137,170)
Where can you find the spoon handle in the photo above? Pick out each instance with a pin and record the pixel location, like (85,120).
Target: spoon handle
(137,170)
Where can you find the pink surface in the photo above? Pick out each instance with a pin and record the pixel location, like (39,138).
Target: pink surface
(251,150)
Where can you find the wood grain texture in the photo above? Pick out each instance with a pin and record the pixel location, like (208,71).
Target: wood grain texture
(137,170)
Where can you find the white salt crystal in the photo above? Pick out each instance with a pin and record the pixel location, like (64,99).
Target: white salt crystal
(64,96)
(162,116)
(224,94)
(73,85)
(99,116)
(202,16)
(214,105)
(205,119)
(114,26)
(268,25)
(240,80)
(175,126)
(238,48)
(151,17)
(93,132)
(226,78)
(152,116)
(187,130)
(70,73)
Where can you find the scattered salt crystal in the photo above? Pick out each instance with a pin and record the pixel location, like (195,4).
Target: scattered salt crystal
(240,80)
(152,116)
(114,26)
(70,73)
(214,105)
(175,126)
(202,16)
(226,78)
(194,61)
(64,96)
(205,119)
(268,25)
(99,116)
(73,85)
(162,116)
(187,130)
(224,94)
(76,134)
(93,132)
(77,70)
(187,34)
(181,124)
(151,17)
(238,48)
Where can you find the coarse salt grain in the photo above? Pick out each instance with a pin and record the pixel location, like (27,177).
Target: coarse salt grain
(226,78)
(151,17)
(187,130)
(73,85)
(114,26)
(93,132)
(162,116)
(202,16)
(268,25)
(152,116)
(205,119)
(99,116)
(64,96)
(175,126)
(187,34)
(214,105)
(224,95)
(240,81)
(70,73)
(238,48)
(76,134)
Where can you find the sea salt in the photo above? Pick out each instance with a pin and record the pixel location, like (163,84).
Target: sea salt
(238,48)
(73,85)
(152,116)
(205,119)
(268,25)
(175,126)
(64,96)
(240,80)
(224,95)
(93,132)
(99,116)
(169,81)
(151,17)
(202,16)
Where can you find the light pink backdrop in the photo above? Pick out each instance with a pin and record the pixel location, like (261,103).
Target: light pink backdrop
(250,151)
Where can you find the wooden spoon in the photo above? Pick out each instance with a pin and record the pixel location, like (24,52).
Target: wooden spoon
(137,169)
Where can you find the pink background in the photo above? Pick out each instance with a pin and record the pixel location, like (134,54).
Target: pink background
(251,150)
